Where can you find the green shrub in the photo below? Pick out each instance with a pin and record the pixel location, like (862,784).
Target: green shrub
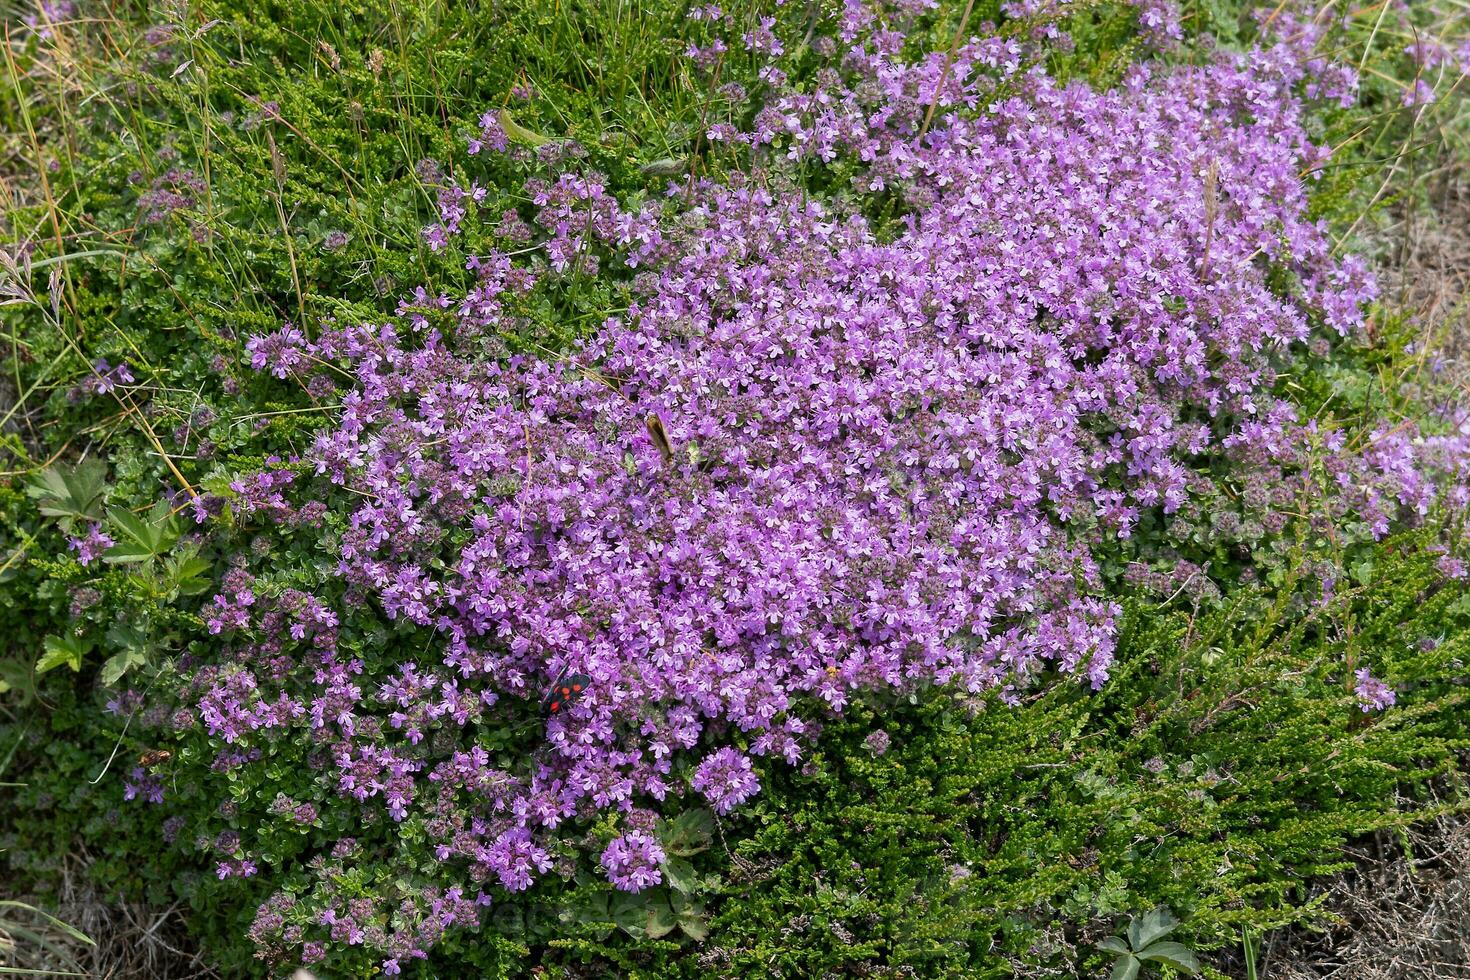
(1223,768)
(1220,771)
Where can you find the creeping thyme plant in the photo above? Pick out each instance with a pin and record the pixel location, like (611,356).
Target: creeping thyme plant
(933,369)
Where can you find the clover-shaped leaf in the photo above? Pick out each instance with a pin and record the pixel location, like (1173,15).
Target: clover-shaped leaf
(71,494)
(1146,944)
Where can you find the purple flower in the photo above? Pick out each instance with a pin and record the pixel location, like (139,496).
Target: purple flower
(813,458)
(726,779)
(1419,93)
(91,547)
(141,784)
(1373,694)
(242,868)
(632,861)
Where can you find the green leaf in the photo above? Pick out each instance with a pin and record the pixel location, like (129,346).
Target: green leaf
(16,678)
(1126,968)
(680,875)
(691,918)
(661,920)
(62,650)
(689,833)
(1177,955)
(1154,926)
(71,493)
(1114,944)
(119,664)
(187,573)
(694,927)
(630,913)
(138,539)
(37,938)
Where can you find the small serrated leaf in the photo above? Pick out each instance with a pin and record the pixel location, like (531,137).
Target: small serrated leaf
(688,833)
(62,651)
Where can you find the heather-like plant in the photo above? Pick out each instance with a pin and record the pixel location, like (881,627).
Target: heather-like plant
(810,460)
(911,363)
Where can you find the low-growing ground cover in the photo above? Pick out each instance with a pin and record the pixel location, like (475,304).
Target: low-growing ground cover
(951,458)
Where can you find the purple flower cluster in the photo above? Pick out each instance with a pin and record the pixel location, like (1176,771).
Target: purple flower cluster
(175,190)
(1373,694)
(632,861)
(402,932)
(726,779)
(90,547)
(49,14)
(105,378)
(816,456)
(811,461)
(143,785)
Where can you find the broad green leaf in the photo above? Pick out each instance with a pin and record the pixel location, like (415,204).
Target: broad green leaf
(1114,944)
(187,573)
(1126,968)
(593,909)
(70,493)
(680,875)
(688,833)
(1154,926)
(67,650)
(1177,955)
(120,663)
(661,920)
(689,913)
(140,539)
(127,636)
(630,913)
(17,678)
(693,925)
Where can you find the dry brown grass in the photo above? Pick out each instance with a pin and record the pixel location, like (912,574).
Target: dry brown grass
(129,940)
(1429,267)
(1403,914)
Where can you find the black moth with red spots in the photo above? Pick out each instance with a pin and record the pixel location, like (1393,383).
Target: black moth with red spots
(568,689)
